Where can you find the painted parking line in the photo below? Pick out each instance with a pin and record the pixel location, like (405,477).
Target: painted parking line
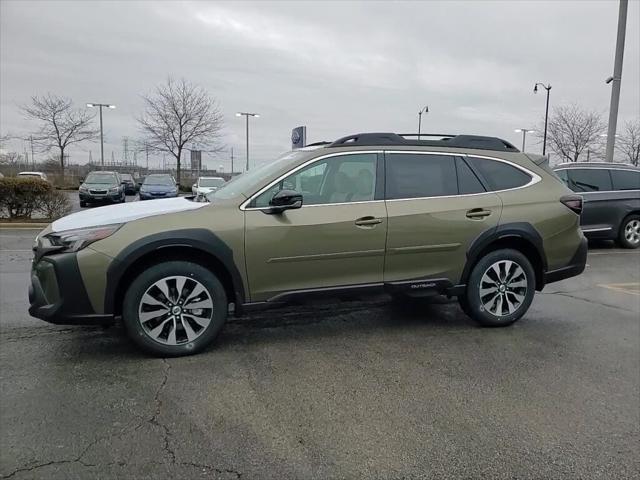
(631,288)
(614,252)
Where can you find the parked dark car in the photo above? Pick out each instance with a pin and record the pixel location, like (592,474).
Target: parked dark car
(101,187)
(611,193)
(158,186)
(130,187)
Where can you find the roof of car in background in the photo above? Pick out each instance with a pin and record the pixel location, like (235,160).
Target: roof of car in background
(625,166)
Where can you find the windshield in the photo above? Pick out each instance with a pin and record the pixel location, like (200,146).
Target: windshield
(126,176)
(211,182)
(252,178)
(100,177)
(159,180)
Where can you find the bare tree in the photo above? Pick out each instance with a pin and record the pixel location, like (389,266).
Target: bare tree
(178,114)
(572,130)
(60,124)
(629,142)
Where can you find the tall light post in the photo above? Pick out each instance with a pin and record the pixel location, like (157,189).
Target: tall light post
(546,114)
(524,135)
(247,115)
(425,109)
(616,79)
(100,105)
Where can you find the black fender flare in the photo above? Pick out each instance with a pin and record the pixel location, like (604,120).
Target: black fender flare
(199,239)
(520,230)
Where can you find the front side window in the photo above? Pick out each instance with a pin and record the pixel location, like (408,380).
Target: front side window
(499,175)
(412,175)
(625,179)
(589,180)
(338,179)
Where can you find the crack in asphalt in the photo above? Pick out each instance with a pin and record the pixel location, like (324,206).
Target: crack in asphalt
(588,300)
(154,419)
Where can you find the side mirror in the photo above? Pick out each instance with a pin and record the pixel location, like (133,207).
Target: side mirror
(285,200)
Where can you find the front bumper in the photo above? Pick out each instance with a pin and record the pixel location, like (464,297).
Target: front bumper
(575,267)
(109,197)
(58,295)
(151,196)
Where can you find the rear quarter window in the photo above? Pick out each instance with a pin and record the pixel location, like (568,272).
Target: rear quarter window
(625,179)
(499,175)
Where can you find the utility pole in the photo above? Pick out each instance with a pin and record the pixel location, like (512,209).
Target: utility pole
(232,160)
(33,157)
(546,114)
(247,115)
(424,110)
(100,105)
(617,79)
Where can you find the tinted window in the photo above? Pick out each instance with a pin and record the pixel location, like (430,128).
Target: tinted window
(562,175)
(339,179)
(499,175)
(589,180)
(166,180)
(467,180)
(625,179)
(411,175)
(99,177)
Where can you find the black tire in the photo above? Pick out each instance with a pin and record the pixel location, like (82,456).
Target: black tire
(518,293)
(179,344)
(83,204)
(629,234)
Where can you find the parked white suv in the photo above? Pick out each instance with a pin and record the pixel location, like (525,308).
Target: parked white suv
(206,185)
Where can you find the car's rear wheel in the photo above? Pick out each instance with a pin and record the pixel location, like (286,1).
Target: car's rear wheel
(629,235)
(500,288)
(175,308)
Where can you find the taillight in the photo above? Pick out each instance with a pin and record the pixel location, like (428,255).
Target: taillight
(573,203)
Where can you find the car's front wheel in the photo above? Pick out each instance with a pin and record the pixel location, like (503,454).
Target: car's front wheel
(629,236)
(500,288)
(174,308)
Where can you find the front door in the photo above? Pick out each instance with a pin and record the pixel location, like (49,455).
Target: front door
(337,239)
(436,207)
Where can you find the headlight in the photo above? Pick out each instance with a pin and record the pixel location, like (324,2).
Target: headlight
(74,240)
(83,189)
(114,189)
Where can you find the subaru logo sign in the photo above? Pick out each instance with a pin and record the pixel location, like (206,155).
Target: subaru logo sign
(298,137)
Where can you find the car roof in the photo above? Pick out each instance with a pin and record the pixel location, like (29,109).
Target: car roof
(605,165)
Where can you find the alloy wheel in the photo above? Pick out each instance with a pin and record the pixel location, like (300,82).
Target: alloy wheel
(503,288)
(175,310)
(632,231)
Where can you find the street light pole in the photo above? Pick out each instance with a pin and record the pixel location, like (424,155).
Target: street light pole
(425,109)
(617,79)
(247,115)
(546,114)
(100,105)
(524,135)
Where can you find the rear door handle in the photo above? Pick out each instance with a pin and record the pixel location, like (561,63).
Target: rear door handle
(478,213)
(368,221)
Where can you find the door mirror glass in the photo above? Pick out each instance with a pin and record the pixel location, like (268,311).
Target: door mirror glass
(285,200)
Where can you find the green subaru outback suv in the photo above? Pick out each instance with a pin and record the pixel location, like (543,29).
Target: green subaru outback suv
(464,216)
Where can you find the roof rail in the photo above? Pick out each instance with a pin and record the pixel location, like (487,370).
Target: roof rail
(456,141)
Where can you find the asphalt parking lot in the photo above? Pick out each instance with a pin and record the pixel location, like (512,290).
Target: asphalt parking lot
(342,390)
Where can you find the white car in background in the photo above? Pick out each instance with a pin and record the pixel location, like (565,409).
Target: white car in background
(40,175)
(205,185)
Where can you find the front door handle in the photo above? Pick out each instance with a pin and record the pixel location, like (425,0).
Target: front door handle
(368,221)
(478,213)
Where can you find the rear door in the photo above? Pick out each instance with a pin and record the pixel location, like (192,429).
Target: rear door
(436,207)
(596,188)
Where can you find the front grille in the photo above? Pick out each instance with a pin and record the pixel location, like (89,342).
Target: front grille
(98,192)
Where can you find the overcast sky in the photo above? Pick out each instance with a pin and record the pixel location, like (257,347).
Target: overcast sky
(337,67)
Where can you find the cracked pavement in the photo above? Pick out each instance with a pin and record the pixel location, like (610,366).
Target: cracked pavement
(342,390)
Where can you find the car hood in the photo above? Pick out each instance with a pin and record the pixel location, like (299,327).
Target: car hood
(158,188)
(124,212)
(99,186)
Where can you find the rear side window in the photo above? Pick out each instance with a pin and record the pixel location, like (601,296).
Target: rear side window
(589,180)
(411,175)
(499,175)
(467,180)
(625,179)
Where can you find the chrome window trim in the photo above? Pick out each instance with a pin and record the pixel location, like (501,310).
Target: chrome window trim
(591,230)
(601,167)
(535,178)
(244,204)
